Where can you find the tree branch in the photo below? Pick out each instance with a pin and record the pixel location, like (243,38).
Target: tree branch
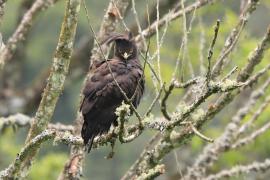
(21,120)
(241,169)
(23,29)
(55,83)
(36,142)
(148,32)
(233,38)
(167,142)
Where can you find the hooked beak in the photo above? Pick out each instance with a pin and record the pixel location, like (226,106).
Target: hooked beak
(125,55)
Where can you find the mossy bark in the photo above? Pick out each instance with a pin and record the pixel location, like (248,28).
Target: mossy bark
(54,87)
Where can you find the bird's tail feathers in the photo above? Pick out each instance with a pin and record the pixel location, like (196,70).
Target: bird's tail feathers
(88,146)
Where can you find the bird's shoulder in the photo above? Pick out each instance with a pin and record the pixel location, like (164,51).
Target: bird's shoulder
(102,75)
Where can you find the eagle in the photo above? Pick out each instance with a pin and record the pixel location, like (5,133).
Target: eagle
(102,93)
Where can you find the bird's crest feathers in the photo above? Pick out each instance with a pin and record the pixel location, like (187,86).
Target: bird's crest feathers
(117,36)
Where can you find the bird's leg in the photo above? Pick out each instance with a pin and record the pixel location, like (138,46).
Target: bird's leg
(112,142)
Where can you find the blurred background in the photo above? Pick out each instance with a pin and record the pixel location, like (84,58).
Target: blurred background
(25,75)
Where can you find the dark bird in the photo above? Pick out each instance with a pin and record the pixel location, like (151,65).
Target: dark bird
(102,95)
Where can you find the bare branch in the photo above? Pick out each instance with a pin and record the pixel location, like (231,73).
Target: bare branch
(230,73)
(154,101)
(174,84)
(132,170)
(153,173)
(23,29)
(241,169)
(255,57)
(165,145)
(252,137)
(212,151)
(232,39)
(210,52)
(199,134)
(55,82)
(148,32)
(21,120)
(34,143)
(202,45)
(255,116)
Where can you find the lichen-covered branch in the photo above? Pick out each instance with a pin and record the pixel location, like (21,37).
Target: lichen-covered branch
(179,117)
(59,69)
(255,57)
(174,84)
(13,169)
(255,116)
(167,142)
(17,120)
(153,173)
(36,142)
(23,29)
(233,38)
(55,83)
(212,151)
(241,169)
(132,170)
(252,137)
(21,120)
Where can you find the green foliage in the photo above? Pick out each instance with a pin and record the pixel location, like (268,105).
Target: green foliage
(231,158)
(48,167)
(9,147)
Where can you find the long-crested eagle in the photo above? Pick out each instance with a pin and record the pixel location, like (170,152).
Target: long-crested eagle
(102,95)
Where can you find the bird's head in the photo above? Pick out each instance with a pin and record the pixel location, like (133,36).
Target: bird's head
(125,47)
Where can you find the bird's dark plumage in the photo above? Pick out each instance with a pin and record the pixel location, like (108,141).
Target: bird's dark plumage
(102,95)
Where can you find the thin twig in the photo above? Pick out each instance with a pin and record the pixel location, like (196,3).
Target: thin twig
(230,73)
(138,21)
(184,41)
(158,44)
(251,137)
(233,38)
(148,32)
(255,116)
(120,16)
(199,134)
(210,52)
(154,101)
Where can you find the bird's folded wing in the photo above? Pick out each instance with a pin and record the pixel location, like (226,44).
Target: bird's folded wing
(101,88)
